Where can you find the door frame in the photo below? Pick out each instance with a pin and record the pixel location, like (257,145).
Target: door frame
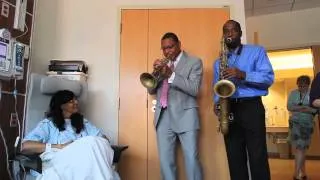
(120,133)
(232,10)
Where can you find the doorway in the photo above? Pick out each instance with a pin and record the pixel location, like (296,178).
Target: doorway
(288,66)
(200,31)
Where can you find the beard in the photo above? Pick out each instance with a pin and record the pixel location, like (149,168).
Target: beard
(234,43)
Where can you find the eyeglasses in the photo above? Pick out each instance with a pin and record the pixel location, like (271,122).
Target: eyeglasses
(73,101)
(303,86)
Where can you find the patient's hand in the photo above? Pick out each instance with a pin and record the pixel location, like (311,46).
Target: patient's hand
(104,136)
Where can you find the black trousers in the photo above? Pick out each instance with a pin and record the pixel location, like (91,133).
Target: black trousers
(246,140)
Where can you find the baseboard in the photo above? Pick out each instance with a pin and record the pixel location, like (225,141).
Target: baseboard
(274,155)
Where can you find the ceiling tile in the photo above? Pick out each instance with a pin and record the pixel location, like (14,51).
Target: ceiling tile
(306,1)
(271,3)
(276,6)
(306,4)
(248,4)
(272,9)
(249,13)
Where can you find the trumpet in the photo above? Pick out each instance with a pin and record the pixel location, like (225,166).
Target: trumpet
(150,81)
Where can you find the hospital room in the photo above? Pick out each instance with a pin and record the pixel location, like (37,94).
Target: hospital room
(82,83)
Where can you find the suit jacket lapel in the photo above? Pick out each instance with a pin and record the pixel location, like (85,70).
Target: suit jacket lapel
(182,62)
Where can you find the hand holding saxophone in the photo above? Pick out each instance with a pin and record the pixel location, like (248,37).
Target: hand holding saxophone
(233,73)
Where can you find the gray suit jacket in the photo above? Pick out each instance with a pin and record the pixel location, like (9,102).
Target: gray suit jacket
(182,97)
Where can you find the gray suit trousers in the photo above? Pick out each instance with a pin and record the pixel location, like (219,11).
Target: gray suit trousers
(167,139)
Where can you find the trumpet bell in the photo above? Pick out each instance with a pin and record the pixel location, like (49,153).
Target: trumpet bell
(224,88)
(148,80)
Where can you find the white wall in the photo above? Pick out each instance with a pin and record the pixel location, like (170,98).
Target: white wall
(89,30)
(286,30)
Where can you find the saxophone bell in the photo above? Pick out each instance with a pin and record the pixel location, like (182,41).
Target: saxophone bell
(224,88)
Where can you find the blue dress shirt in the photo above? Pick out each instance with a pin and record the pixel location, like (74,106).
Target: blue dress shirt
(253,60)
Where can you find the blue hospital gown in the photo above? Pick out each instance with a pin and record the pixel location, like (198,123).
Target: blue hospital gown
(47,132)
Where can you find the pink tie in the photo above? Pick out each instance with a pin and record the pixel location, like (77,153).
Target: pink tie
(164,91)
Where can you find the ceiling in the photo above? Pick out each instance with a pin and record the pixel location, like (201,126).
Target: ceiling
(263,7)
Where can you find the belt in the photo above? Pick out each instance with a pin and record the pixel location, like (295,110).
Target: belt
(245,99)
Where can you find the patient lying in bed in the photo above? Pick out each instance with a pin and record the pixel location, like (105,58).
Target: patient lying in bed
(71,147)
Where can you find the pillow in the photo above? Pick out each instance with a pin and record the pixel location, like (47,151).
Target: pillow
(50,85)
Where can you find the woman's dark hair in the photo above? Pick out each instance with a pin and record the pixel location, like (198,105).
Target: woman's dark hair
(56,115)
(304,79)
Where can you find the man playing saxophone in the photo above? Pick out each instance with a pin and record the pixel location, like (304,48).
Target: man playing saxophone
(251,72)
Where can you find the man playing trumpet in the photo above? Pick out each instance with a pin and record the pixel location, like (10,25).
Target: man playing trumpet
(176,113)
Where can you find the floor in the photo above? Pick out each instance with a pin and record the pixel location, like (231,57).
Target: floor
(282,169)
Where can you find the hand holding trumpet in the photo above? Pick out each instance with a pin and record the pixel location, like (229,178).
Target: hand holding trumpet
(162,67)
(160,71)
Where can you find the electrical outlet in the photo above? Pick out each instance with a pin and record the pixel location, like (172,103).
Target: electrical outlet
(14,120)
(5,9)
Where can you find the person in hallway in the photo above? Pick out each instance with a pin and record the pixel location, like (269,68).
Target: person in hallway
(176,114)
(315,92)
(300,123)
(250,70)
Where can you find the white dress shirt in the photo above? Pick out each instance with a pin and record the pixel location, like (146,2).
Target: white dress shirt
(171,78)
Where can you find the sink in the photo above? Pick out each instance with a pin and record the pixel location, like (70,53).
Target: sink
(277,129)
(278,134)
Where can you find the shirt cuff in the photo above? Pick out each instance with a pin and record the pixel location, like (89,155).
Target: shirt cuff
(170,80)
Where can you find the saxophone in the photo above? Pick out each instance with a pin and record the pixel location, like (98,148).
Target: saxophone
(224,89)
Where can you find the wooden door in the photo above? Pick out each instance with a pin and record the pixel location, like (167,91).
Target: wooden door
(199,31)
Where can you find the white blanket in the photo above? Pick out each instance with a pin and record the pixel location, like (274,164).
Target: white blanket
(88,158)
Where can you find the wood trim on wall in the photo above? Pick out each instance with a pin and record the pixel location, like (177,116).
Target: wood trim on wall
(316,58)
